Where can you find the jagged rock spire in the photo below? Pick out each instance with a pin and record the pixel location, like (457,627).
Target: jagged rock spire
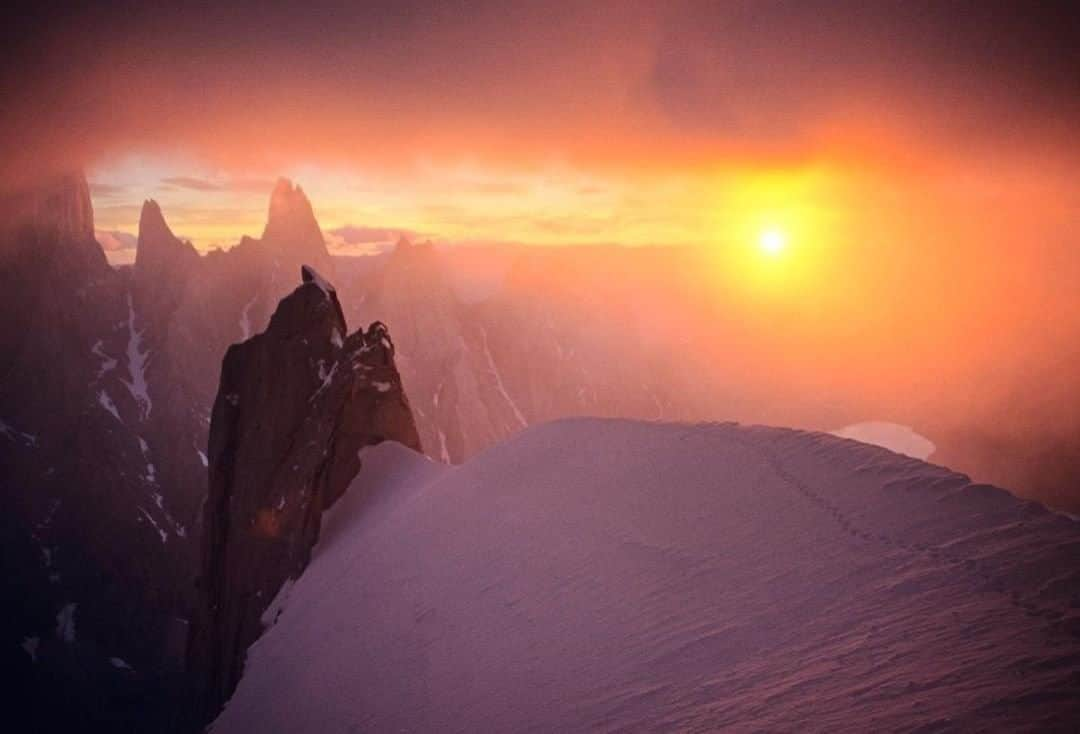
(159,250)
(291,220)
(152,222)
(292,233)
(294,406)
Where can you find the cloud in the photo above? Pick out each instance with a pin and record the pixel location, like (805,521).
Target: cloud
(115,240)
(365,240)
(190,182)
(357,235)
(107,190)
(239,184)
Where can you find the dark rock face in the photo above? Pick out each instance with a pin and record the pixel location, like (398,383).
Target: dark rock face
(92,533)
(107,382)
(295,405)
(163,264)
(59,207)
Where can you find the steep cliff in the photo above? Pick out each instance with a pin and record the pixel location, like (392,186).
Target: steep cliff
(295,405)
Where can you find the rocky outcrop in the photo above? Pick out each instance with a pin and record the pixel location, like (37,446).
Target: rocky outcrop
(59,207)
(295,405)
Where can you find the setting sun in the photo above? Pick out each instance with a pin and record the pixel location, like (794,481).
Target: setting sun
(772,241)
(573,364)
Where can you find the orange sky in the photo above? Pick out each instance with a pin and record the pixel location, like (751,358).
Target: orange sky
(887,125)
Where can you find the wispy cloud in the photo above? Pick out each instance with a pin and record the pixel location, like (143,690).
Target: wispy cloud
(365,240)
(107,190)
(356,235)
(193,183)
(114,240)
(239,185)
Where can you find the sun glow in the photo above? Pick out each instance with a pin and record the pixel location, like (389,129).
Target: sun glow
(772,241)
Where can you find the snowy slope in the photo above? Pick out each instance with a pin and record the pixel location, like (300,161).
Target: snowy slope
(614,575)
(892,436)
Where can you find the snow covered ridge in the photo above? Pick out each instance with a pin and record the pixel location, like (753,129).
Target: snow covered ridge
(892,436)
(603,574)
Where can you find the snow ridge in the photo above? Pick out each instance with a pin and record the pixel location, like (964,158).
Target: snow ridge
(751,577)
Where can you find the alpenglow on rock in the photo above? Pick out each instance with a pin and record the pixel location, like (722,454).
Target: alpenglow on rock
(295,405)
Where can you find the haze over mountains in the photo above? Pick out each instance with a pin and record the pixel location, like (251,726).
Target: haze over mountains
(121,446)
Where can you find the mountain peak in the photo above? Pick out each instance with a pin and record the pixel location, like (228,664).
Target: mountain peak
(291,228)
(152,221)
(159,250)
(290,214)
(60,205)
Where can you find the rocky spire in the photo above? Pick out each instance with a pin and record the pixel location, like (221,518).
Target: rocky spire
(294,406)
(55,219)
(159,249)
(291,221)
(58,205)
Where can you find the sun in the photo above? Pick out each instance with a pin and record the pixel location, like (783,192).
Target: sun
(772,241)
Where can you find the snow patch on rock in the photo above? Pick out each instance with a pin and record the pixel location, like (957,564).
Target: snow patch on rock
(137,359)
(108,364)
(444,453)
(107,403)
(30,645)
(65,622)
(245,318)
(494,370)
(161,533)
(327,377)
(15,436)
